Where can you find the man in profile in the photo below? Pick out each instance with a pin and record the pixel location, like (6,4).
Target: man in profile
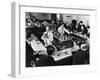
(29,50)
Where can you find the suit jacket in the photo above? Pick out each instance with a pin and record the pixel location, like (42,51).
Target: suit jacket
(29,55)
(84,31)
(45,61)
(79,57)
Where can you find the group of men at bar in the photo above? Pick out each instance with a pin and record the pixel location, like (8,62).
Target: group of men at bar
(47,31)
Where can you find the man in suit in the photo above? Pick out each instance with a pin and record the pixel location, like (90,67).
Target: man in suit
(80,57)
(82,28)
(46,60)
(73,25)
(29,50)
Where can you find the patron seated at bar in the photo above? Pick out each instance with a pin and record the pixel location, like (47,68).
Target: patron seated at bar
(47,60)
(81,56)
(29,50)
(82,28)
(33,49)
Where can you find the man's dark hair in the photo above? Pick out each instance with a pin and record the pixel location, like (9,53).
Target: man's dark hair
(50,49)
(74,21)
(81,21)
(28,33)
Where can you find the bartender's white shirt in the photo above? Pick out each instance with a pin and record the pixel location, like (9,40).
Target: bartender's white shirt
(49,39)
(62,29)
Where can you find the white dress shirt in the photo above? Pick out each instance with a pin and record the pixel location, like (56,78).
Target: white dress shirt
(47,40)
(62,30)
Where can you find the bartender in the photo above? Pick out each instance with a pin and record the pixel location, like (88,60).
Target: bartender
(61,31)
(47,37)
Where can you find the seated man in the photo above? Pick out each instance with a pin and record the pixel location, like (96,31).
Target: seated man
(80,56)
(82,28)
(46,60)
(29,50)
(31,47)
